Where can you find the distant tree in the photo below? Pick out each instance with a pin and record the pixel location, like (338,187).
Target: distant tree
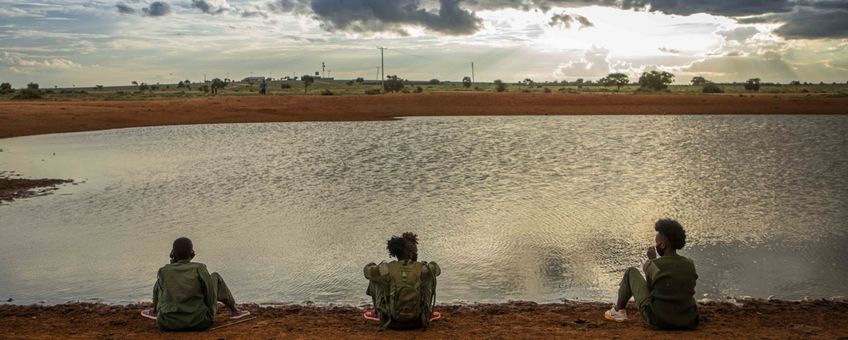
(134,83)
(656,80)
(752,84)
(393,84)
(32,86)
(466,81)
(307,80)
(143,87)
(180,84)
(615,79)
(217,84)
(418,89)
(579,83)
(203,88)
(500,86)
(435,81)
(795,82)
(350,83)
(360,80)
(699,81)
(98,87)
(6,88)
(527,81)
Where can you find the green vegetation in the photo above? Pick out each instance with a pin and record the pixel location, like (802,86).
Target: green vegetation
(615,79)
(753,84)
(500,86)
(393,84)
(656,80)
(143,91)
(307,80)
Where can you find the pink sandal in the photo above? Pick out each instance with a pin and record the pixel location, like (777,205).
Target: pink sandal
(239,315)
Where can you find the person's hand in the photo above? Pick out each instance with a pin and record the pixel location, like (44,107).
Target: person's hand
(651,253)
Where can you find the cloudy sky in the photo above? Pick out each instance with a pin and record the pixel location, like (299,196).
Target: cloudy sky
(82,43)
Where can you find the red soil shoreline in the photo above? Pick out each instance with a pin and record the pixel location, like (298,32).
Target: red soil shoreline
(754,319)
(22,118)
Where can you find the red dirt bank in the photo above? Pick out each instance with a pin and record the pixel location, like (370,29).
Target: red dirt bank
(21,118)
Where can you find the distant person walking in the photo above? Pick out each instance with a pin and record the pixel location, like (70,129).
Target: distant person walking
(263,87)
(665,296)
(403,291)
(186,296)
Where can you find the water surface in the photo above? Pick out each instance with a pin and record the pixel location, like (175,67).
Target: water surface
(531,208)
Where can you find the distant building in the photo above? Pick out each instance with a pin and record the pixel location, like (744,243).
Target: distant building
(253,80)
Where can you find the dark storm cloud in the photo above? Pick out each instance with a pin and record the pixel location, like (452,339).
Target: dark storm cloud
(124,9)
(157,9)
(800,18)
(813,24)
(206,7)
(391,15)
(565,20)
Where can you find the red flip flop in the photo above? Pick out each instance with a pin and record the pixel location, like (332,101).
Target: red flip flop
(435,316)
(242,313)
(371,315)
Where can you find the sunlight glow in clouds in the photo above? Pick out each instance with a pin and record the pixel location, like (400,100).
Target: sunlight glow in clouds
(107,42)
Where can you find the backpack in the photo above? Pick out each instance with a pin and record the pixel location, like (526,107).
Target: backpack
(406,303)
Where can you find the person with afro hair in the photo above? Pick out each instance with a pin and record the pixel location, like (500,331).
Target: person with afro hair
(665,296)
(403,292)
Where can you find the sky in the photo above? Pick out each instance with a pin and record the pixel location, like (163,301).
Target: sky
(84,43)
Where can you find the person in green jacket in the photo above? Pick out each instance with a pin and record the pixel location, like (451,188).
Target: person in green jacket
(665,297)
(403,292)
(186,296)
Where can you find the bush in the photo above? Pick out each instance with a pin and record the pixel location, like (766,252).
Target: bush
(372,91)
(656,80)
(500,86)
(326,92)
(28,93)
(418,89)
(435,81)
(712,88)
(285,86)
(393,84)
(548,90)
(32,86)
(6,88)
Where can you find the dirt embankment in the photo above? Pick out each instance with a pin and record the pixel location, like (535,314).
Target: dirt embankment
(22,118)
(15,188)
(755,319)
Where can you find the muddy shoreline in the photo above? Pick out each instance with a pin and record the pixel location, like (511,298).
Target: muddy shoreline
(23,118)
(18,188)
(751,319)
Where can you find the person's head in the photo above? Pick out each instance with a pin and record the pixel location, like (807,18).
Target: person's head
(670,235)
(404,247)
(182,249)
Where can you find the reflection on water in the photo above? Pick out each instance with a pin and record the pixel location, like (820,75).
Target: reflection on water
(535,208)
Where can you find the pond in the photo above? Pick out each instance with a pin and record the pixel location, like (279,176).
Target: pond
(513,208)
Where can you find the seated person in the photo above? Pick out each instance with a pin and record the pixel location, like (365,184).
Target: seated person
(186,296)
(665,297)
(413,285)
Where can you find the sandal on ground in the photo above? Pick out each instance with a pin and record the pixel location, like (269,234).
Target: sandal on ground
(148,314)
(238,315)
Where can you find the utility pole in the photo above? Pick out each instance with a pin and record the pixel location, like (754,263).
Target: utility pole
(323,67)
(377,79)
(472,72)
(382,67)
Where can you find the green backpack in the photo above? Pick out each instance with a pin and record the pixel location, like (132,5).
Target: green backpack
(406,303)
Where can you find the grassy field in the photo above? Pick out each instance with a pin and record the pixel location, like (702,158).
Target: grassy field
(343,87)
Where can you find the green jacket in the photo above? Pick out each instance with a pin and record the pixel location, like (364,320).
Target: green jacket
(671,280)
(183,297)
(379,273)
